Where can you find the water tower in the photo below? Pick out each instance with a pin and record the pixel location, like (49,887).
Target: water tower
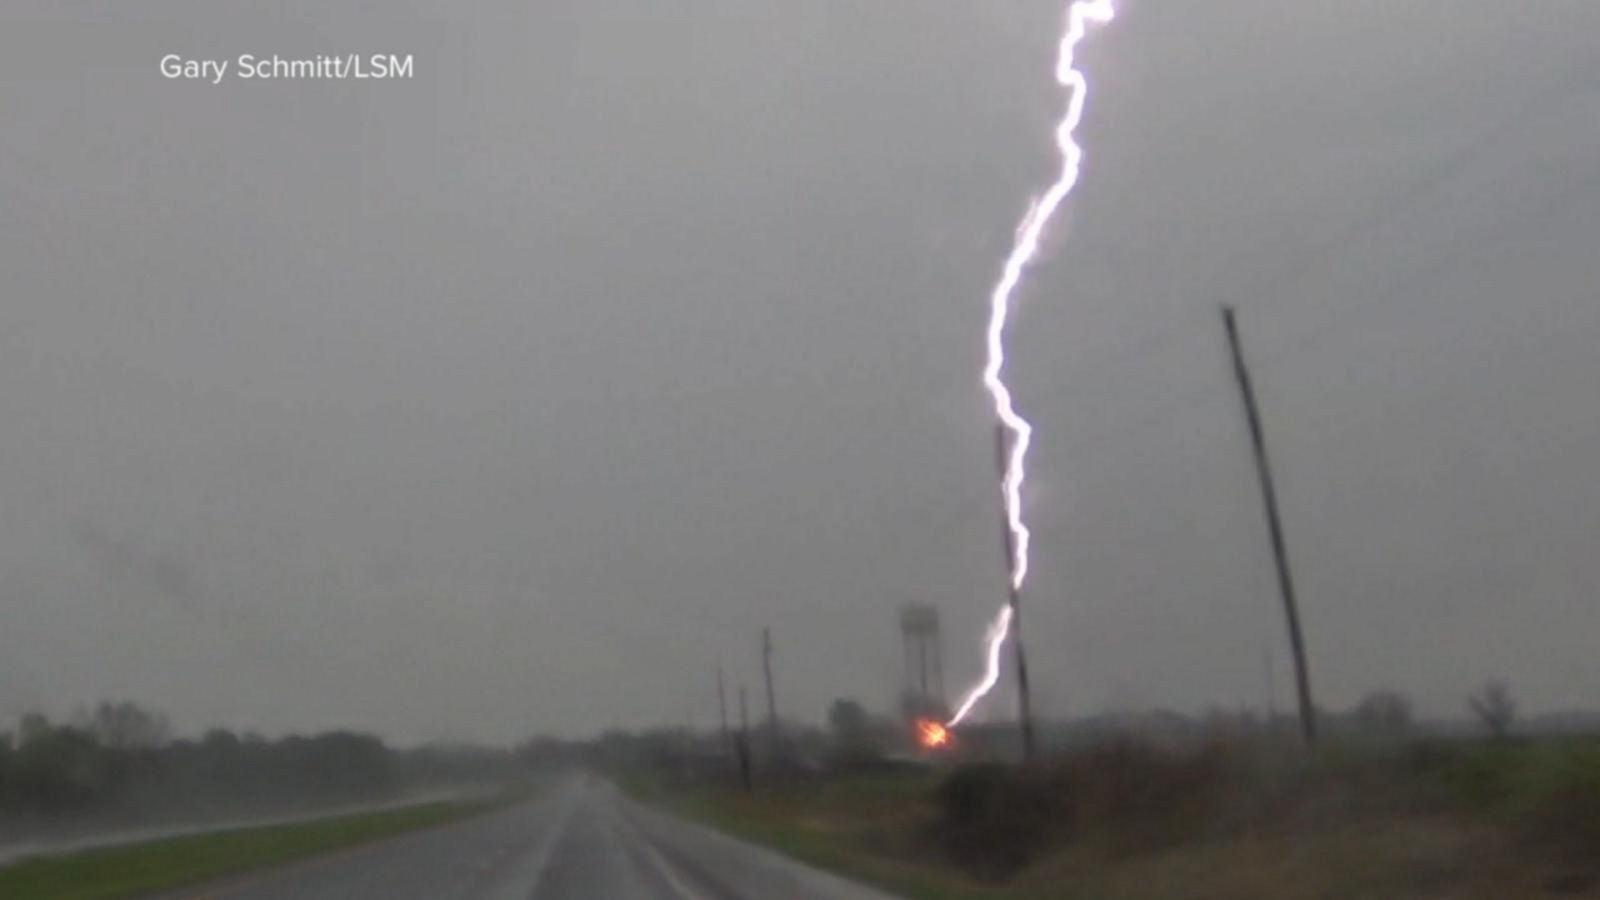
(922,693)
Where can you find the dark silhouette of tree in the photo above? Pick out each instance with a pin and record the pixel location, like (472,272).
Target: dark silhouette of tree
(127,726)
(60,768)
(1494,707)
(849,721)
(31,725)
(120,758)
(1383,712)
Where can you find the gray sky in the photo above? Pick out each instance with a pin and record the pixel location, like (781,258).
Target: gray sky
(515,396)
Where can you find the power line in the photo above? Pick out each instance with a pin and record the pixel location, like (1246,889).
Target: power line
(1427,183)
(1299,342)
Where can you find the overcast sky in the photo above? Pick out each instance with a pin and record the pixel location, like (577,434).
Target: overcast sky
(516,396)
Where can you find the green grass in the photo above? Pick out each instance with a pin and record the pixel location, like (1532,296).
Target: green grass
(1548,789)
(1466,820)
(812,827)
(138,869)
(855,826)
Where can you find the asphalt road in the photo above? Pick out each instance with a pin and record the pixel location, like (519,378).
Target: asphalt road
(580,840)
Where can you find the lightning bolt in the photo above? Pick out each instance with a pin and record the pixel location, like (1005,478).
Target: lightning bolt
(1025,247)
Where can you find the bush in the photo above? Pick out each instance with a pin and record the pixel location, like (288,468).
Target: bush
(1142,798)
(1484,778)
(967,794)
(1383,713)
(1127,796)
(1549,790)
(996,818)
(1560,796)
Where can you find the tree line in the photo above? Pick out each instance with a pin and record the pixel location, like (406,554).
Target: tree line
(119,758)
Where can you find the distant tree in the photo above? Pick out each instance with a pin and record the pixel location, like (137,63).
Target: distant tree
(121,759)
(220,740)
(337,763)
(32,725)
(128,726)
(6,766)
(60,767)
(1383,712)
(848,720)
(854,734)
(1494,707)
(1219,722)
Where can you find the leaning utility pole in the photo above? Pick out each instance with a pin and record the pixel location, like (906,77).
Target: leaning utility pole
(1024,696)
(772,702)
(1280,550)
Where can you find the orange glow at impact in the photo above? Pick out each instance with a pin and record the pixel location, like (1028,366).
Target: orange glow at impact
(932,734)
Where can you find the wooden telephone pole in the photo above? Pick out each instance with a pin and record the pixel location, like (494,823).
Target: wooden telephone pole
(722,712)
(1280,550)
(742,744)
(1024,695)
(772,702)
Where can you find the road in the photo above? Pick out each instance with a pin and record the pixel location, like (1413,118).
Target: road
(580,840)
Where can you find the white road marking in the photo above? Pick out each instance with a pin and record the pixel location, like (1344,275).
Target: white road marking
(541,856)
(665,870)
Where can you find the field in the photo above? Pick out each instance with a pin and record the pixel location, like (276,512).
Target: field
(140,869)
(1127,822)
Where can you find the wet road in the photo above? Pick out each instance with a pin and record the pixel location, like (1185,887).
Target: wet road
(580,840)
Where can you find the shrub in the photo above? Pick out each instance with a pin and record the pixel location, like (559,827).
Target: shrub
(1484,778)
(995,818)
(1560,796)
(1126,795)
(1141,798)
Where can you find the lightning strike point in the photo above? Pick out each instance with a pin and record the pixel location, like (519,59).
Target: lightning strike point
(932,735)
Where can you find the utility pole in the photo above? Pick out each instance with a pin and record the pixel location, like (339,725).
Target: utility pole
(772,702)
(1270,683)
(722,712)
(1024,696)
(743,743)
(1280,551)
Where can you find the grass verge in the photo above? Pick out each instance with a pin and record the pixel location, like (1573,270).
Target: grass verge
(135,870)
(1461,820)
(856,827)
